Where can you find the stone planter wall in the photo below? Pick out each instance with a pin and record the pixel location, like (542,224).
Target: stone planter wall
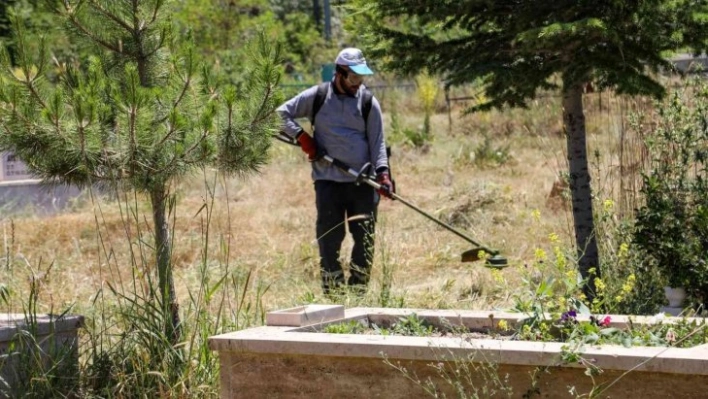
(53,342)
(277,361)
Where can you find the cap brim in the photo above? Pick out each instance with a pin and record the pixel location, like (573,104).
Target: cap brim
(361,70)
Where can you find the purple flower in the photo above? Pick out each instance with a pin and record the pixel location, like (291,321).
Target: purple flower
(569,315)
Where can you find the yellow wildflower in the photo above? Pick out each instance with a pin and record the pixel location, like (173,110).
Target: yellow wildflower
(623,251)
(571,275)
(560,258)
(561,303)
(536,214)
(498,276)
(628,286)
(540,255)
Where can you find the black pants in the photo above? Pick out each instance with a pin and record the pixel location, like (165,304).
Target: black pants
(355,205)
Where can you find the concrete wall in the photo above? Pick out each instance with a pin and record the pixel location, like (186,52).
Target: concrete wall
(34,197)
(291,358)
(21,191)
(687,63)
(28,350)
(248,375)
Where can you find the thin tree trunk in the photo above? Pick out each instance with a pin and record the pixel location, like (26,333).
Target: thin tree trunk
(317,14)
(327,21)
(581,193)
(163,248)
(163,245)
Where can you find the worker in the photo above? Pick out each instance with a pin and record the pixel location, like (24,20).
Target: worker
(347,125)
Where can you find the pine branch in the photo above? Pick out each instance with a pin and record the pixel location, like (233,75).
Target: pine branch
(30,86)
(156,10)
(173,162)
(169,134)
(160,44)
(175,105)
(131,30)
(261,114)
(95,38)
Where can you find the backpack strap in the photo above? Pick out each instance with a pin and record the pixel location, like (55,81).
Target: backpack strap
(366,108)
(319,100)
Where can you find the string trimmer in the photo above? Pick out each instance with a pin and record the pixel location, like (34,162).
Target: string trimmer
(492,257)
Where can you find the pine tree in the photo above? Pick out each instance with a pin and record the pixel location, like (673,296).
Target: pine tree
(136,113)
(517,48)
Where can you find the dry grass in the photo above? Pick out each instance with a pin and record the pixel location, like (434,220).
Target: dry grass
(265,223)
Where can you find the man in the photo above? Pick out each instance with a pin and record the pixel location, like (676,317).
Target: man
(341,131)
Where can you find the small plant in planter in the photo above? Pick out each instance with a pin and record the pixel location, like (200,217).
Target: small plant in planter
(671,227)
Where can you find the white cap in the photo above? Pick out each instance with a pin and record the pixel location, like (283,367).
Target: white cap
(354,59)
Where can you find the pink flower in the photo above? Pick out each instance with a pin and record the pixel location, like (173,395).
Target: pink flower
(604,322)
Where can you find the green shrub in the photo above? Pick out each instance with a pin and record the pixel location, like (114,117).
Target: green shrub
(672,225)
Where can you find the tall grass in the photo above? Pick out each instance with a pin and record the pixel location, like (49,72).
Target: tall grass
(128,355)
(37,361)
(124,350)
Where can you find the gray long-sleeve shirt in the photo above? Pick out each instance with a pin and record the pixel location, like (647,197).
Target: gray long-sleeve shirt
(340,130)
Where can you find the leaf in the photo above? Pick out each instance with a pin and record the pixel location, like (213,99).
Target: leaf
(591,338)
(213,290)
(609,331)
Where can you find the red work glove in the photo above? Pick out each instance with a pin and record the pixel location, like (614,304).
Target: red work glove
(386,184)
(308,145)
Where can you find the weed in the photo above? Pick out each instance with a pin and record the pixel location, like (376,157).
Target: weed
(484,155)
(350,327)
(412,325)
(463,378)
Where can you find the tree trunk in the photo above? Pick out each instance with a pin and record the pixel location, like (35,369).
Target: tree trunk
(163,250)
(581,193)
(327,21)
(317,14)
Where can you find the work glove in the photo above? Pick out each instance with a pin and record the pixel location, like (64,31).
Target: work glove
(308,145)
(387,187)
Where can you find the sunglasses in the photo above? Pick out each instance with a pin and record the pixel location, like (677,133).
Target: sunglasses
(352,78)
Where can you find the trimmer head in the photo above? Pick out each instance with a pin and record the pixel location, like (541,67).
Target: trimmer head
(494,261)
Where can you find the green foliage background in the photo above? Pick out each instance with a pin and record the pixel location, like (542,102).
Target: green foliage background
(219,28)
